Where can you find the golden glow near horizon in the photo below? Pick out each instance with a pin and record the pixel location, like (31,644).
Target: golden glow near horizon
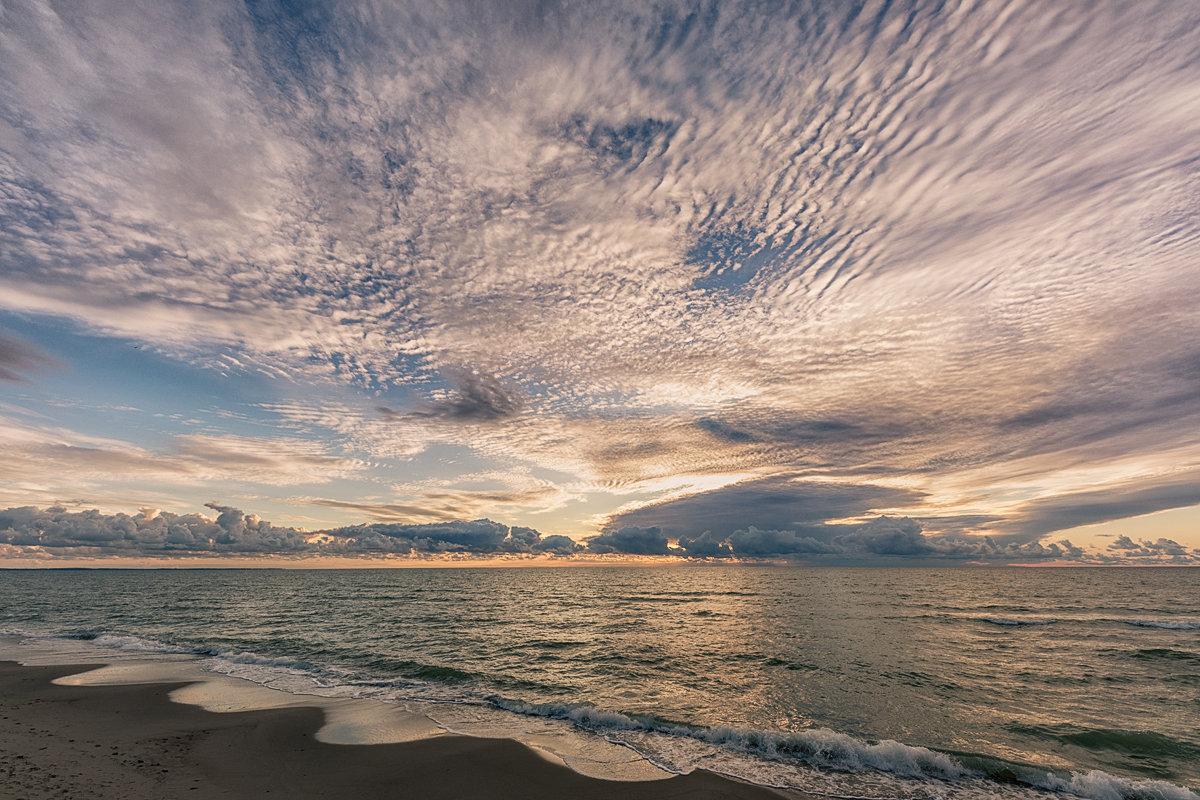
(910,283)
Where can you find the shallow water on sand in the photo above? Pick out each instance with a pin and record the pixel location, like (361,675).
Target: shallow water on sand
(864,682)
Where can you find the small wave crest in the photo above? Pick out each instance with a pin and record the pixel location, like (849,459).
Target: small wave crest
(1166,624)
(1016,621)
(820,748)
(137,644)
(1165,653)
(1141,743)
(113,641)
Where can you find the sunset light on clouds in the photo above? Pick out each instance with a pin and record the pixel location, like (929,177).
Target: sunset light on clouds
(826,282)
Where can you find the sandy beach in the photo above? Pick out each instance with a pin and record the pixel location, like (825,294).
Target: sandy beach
(131,742)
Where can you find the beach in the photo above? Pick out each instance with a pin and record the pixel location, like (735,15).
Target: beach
(132,742)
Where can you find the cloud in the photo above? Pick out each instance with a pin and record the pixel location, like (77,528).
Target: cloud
(60,457)
(881,538)
(1131,499)
(478,536)
(476,398)
(432,503)
(769,504)
(872,242)
(557,544)
(632,540)
(1159,548)
(279,461)
(56,532)
(755,542)
(151,532)
(892,537)
(886,538)
(18,358)
(704,545)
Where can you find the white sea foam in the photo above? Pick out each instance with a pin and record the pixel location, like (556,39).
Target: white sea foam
(821,747)
(829,750)
(300,677)
(136,644)
(1098,785)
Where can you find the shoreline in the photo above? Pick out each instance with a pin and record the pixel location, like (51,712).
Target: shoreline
(130,741)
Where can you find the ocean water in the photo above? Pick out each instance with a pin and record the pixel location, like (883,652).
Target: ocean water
(866,683)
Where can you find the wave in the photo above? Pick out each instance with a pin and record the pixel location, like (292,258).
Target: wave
(113,641)
(822,749)
(1164,624)
(139,645)
(1166,653)
(1167,624)
(827,749)
(1098,785)
(1142,744)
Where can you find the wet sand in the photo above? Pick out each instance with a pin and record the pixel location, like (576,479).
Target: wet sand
(131,742)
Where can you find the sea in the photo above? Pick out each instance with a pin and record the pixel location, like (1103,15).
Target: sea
(850,683)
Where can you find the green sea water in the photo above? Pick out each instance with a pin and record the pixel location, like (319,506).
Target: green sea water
(863,682)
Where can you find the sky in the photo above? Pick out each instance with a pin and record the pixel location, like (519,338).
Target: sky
(827,282)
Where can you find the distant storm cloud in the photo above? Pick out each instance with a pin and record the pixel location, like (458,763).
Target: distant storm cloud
(892,539)
(632,540)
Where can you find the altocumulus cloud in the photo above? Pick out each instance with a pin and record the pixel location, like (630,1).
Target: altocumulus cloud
(954,241)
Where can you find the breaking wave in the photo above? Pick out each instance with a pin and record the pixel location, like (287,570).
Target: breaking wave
(827,749)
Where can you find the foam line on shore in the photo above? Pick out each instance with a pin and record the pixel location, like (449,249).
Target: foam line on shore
(347,720)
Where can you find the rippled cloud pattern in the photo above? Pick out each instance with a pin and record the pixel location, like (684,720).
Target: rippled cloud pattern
(733,272)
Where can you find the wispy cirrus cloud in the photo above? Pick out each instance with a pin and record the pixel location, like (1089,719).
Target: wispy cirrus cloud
(56,462)
(19,360)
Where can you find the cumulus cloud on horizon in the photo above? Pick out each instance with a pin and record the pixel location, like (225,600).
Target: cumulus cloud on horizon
(33,532)
(28,533)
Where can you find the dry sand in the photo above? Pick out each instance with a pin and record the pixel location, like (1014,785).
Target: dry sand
(132,742)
